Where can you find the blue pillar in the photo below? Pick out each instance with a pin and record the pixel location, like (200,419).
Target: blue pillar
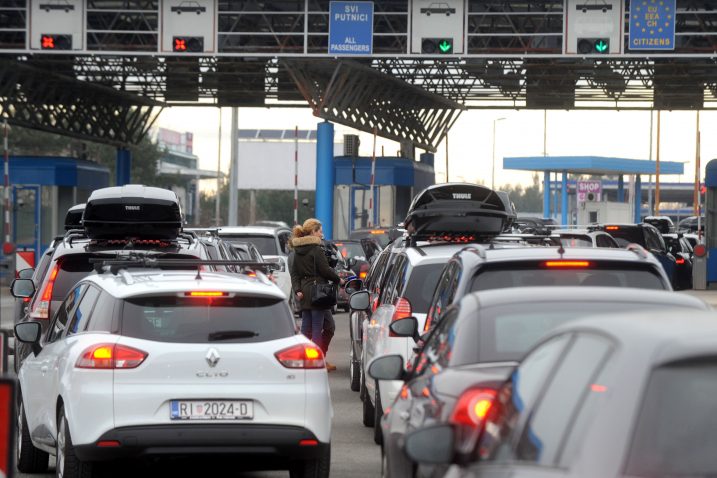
(325,177)
(620,189)
(546,194)
(638,199)
(564,198)
(123,166)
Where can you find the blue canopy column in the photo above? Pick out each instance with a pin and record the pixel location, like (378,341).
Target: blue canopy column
(546,194)
(325,176)
(123,166)
(564,198)
(638,198)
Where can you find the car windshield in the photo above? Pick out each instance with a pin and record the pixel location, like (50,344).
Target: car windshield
(265,243)
(206,319)
(604,275)
(421,284)
(351,250)
(675,435)
(507,332)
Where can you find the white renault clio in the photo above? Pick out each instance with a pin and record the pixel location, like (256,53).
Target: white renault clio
(148,362)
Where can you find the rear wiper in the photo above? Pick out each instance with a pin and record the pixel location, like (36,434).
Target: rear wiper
(231,334)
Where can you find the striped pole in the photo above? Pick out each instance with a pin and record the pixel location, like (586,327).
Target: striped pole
(373,180)
(296,175)
(7,247)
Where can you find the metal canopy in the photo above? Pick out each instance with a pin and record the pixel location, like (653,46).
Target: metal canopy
(361,97)
(596,165)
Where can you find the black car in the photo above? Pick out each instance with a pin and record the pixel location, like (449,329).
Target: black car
(382,235)
(456,376)
(680,247)
(358,255)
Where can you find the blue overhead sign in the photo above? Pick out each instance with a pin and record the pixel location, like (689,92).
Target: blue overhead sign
(351,28)
(652,25)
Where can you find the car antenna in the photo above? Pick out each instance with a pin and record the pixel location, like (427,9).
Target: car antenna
(561,251)
(199,272)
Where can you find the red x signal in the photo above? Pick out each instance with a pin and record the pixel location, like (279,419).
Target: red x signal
(48,42)
(180,44)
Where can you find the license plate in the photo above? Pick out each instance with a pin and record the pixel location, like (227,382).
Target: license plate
(212,410)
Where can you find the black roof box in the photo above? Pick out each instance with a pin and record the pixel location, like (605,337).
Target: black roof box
(132,211)
(73,218)
(456,208)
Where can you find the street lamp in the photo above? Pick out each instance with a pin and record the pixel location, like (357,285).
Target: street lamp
(492,169)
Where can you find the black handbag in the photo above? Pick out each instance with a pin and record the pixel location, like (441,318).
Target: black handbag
(322,294)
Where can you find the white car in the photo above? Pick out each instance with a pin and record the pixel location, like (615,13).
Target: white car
(407,292)
(146,361)
(272,244)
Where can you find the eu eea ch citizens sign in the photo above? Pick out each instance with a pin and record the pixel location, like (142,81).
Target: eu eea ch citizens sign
(351,28)
(652,25)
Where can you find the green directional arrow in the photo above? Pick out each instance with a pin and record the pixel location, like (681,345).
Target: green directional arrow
(445,46)
(601,46)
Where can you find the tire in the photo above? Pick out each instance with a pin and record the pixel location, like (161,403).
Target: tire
(369,412)
(377,415)
(354,371)
(316,468)
(67,465)
(29,458)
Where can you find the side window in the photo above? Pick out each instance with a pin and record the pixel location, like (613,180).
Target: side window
(437,349)
(59,322)
(653,241)
(390,291)
(83,310)
(283,241)
(544,434)
(103,314)
(440,296)
(516,398)
(604,241)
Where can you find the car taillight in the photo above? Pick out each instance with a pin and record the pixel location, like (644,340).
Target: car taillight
(301,356)
(473,406)
(612,228)
(363,272)
(567,264)
(401,311)
(679,261)
(374,305)
(206,293)
(42,307)
(111,356)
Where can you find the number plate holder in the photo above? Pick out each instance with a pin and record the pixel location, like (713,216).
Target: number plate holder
(211,410)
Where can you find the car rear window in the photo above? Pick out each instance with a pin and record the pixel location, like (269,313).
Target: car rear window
(351,250)
(675,429)
(602,275)
(206,320)
(266,244)
(72,270)
(627,235)
(421,285)
(576,241)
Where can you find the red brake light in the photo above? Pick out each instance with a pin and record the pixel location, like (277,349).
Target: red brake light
(111,356)
(205,293)
(402,310)
(679,261)
(308,442)
(378,231)
(612,228)
(568,264)
(47,293)
(41,310)
(108,444)
(473,406)
(374,305)
(301,356)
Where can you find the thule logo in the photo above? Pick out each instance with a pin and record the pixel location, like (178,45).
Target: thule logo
(462,196)
(131,208)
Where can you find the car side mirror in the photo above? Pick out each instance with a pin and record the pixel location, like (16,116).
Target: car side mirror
(22,288)
(432,445)
(29,333)
(354,285)
(359,300)
(406,327)
(26,273)
(387,367)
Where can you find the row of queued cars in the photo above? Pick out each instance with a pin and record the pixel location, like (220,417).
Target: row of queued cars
(138,338)
(473,356)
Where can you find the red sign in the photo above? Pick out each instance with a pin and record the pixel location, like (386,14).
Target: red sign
(7,425)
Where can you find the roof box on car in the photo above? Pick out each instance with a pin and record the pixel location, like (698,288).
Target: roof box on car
(456,208)
(132,211)
(73,218)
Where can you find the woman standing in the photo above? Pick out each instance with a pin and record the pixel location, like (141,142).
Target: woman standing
(308,267)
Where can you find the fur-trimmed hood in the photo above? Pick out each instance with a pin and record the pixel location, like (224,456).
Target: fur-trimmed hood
(303,244)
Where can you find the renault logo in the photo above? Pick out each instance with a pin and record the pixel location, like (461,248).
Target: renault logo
(212,357)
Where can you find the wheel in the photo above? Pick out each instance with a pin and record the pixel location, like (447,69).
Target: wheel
(377,414)
(316,468)
(368,408)
(354,371)
(29,458)
(67,465)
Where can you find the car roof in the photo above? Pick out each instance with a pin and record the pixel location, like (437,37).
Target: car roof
(536,295)
(139,282)
(189,245)
(588,253)
(258,230)
(671,336)
(431,252)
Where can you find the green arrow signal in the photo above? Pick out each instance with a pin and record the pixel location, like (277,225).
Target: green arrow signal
(601,46)
(445,46)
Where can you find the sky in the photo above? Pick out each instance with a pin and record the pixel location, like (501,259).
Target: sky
(623,134)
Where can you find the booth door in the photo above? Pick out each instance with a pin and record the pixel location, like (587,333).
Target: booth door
(360,210)
(26,219)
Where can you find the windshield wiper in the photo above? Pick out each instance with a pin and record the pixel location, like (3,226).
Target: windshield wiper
(231,334)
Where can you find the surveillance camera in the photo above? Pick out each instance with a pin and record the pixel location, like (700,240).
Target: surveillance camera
(305,202)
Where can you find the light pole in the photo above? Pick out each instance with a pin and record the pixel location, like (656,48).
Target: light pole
(492,169)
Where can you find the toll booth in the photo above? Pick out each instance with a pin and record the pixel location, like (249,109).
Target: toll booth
(43,188)
(705,264)
(396,181)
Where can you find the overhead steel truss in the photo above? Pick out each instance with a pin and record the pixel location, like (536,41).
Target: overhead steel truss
(513,59)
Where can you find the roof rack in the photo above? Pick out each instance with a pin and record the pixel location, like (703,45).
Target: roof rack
(114,266)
